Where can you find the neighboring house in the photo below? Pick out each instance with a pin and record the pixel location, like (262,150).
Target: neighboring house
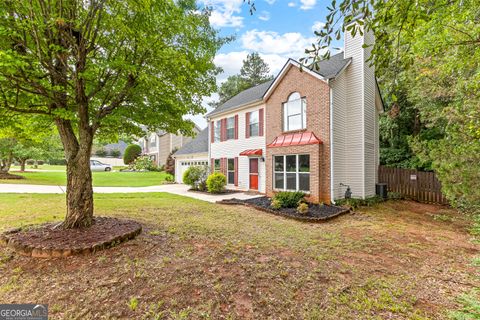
(194,153)
(120,146)
(312,131)
(158,145)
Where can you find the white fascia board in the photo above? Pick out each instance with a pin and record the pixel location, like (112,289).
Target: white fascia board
(254,103)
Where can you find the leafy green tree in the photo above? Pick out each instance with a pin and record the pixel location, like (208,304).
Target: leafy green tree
(103,66)
(254,71)
(132,152)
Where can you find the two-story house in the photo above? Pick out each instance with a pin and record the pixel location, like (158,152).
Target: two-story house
(158,145)
(307,130)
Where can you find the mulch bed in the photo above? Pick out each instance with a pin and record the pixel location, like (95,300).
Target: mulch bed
(10,176)
(50,241)
(316,212)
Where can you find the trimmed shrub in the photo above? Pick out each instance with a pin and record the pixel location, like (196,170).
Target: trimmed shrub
(216,182)
(276,204)
(289,199)
(101,153)
(196,177)
(302,208)
(355,203)
(132,152)
(115,153)
(169,178)
(57,162)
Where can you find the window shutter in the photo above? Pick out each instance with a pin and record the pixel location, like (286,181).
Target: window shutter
(212,165)
(223,168)
(247,125)
(236,126)
(223,129)
(236,172)
(260,125)
(212,132)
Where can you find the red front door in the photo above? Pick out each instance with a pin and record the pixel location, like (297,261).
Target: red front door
(254,173)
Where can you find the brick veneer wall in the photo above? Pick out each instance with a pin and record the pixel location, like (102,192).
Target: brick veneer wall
(317,94)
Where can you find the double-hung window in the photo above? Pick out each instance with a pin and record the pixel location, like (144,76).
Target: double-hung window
(153,140)
(292,172)
(230,128)
(294,113)
(217,130)
(231,171)
(254,123)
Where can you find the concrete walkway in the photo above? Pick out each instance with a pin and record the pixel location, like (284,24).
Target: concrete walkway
(179,189)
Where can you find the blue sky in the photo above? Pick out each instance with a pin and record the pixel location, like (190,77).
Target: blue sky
(278,30)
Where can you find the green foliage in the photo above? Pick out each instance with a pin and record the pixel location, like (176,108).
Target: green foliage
(115,153)
(133,303)
(216,182)
(395,196)
(276,204)
(143,163)
(302,208)
(57,162)
(253,72)
(355,203)
(289,199)
(101,153)
(132,152)
(196,177)
(169,178)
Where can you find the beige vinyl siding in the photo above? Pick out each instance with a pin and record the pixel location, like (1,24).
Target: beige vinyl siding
(164,148)
(354,120)
(339,135)
(369,119)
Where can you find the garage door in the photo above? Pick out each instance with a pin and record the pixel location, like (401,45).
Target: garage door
(183,165)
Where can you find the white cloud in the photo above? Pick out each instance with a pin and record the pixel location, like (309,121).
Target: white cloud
(292,4)
(230,63)
(264,16)
(270,1)
(291,44)
(318,25)
(225,12)
(308,4)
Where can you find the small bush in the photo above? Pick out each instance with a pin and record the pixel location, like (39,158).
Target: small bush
(302,208)
(132,152)
(394,196)
(40,162)
(57,162)
(276,204)
(196,177)
(356,203)
(30,162)
(101,153)
(216,182)
(289,199)
(144,163)
(169,178)
(115,153)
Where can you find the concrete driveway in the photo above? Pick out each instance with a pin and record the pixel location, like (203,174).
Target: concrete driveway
(179,189)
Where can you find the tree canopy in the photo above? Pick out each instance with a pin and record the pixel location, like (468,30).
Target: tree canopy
(101,67)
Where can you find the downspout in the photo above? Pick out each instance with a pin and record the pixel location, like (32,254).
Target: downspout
(331,145)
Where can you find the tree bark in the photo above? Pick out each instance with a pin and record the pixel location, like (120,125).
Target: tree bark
(6,163)
(79,192)
(22,165)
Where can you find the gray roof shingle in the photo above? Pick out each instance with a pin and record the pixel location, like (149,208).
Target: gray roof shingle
(327,68)
(246,96)
(198,145)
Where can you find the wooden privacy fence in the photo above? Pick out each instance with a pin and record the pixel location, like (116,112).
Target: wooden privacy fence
(416,185)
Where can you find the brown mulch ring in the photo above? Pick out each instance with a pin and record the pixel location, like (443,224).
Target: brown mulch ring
(49,240)
(316,212)
(10,176)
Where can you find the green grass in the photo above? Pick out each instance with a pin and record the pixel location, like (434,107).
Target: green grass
(42,167)
(100,179)
(199,260)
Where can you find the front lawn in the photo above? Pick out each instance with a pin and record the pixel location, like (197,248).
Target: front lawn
(198,260)
(100,179)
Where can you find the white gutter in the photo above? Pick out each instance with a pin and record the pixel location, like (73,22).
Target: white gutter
(331,146)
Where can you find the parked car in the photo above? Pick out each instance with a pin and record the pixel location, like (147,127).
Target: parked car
(96,165)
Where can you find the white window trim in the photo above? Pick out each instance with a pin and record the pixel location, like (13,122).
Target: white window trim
(228,171)
(250,123)
(303,114)
(297,172)
(217,131)
(233,128)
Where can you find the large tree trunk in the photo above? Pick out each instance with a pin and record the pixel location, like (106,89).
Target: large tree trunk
(79,176)
(79,192)
(6,163)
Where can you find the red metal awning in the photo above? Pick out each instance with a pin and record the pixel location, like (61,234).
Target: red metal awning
(295,139)
(251,152)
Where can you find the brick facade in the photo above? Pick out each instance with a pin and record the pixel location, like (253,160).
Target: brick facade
(317,94)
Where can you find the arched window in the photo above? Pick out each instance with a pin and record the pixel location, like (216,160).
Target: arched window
(294,113)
